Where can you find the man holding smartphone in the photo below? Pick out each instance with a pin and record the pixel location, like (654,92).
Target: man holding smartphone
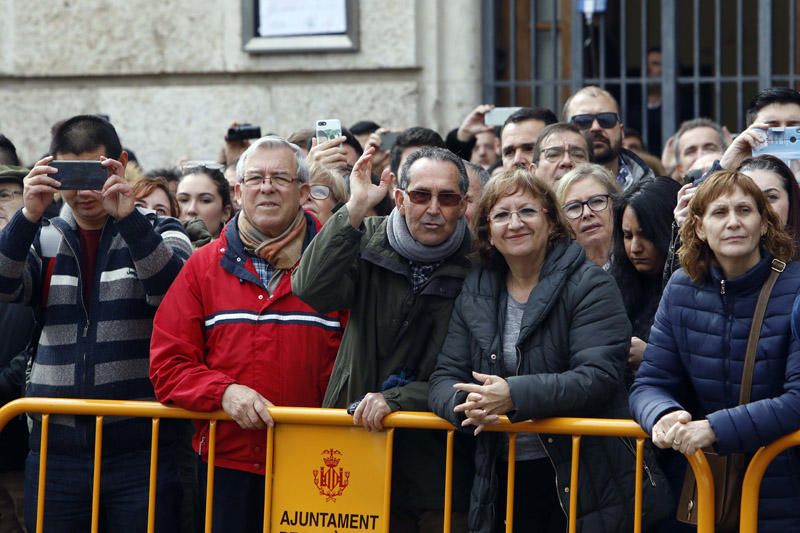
(95,276)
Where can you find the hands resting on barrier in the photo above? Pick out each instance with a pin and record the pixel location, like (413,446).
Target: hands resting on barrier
(676,430)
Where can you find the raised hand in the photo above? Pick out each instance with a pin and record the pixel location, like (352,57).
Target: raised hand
(474,123)
(116,195)
(742,146)
(38,189)
(364,195)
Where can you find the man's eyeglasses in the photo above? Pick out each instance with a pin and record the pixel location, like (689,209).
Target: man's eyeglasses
(574,210)
(320,192)
(501,218)
(445,199)
(585,121)
(6,196)
(255,182)
(556,153)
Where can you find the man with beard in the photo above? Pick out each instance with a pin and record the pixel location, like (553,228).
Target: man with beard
(596,113)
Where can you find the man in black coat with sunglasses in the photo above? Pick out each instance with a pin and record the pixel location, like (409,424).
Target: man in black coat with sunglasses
(596,113)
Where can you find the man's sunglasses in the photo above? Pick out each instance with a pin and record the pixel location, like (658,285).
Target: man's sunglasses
(585,121)
(446,199)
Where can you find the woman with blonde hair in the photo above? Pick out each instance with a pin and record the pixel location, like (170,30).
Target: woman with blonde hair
(692,391)
(587,194)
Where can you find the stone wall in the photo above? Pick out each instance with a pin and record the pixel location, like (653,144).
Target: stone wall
(173,75)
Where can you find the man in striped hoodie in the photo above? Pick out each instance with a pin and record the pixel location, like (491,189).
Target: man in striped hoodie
(95,277)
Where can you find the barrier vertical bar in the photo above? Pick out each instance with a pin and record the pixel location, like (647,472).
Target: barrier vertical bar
(98,462)
(637,498)
(448,482)
(739,71)
(151,494)
(42,472)
(512,470)
(705,492)
(387,490)
(573,484)
(268,469)
(212,450)
(512,46)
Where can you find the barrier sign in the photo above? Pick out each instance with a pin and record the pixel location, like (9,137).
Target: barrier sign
(329,479)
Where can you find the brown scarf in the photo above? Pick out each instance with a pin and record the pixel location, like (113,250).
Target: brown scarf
(283,251)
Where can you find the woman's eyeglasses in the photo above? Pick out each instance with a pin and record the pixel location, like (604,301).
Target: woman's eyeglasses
(526,214)
(585,121)
(320,192)
(596,203)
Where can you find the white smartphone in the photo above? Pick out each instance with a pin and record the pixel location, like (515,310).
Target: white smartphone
(498,115)
(327,129)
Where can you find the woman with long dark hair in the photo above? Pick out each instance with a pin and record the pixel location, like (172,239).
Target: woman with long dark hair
(777,182)
(642,225)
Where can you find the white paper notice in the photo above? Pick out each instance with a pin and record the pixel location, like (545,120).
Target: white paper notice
(280,18)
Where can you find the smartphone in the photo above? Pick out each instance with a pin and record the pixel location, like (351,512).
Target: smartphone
(327,129)
(79,175)
(387,139)
(499,115)
(783,143)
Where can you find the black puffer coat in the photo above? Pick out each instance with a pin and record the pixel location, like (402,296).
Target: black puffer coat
(572,349)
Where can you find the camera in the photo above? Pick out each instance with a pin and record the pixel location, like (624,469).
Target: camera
(243,132)
(783,143)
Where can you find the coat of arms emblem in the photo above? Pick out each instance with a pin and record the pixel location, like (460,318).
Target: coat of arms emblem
(330,482)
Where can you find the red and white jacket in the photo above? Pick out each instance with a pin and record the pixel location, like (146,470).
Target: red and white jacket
(218,325)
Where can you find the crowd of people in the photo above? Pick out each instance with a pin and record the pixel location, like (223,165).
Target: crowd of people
(534,270)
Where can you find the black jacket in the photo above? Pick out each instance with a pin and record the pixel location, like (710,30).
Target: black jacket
(16,329)
(572,349)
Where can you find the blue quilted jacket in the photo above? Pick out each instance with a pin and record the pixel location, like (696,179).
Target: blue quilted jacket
(694,361)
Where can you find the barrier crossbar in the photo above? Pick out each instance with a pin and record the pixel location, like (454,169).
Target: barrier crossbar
(575,427)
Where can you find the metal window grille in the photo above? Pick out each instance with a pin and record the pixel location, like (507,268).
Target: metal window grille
(716,55)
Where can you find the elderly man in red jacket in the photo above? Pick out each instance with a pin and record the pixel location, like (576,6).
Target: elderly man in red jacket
(230,334)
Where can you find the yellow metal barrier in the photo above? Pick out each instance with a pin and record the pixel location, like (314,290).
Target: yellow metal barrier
(336,417)
(753,476)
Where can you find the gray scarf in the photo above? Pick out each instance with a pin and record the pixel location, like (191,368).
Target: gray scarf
(402,242)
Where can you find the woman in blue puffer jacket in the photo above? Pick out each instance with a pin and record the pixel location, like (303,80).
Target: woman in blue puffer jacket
(686,392)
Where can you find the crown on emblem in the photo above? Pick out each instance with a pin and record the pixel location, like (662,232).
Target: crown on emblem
(330,457)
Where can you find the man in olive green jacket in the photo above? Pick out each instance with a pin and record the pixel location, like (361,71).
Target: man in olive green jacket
(399,276)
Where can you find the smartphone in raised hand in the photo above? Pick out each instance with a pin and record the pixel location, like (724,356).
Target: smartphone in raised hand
(327,129)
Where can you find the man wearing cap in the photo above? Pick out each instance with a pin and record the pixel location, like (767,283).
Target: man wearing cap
(16,328)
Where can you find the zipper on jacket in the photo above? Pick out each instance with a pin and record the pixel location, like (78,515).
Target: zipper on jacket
(519,359)
(722,287)
(200,446)
(631,449)
(555,476)
(80,278)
